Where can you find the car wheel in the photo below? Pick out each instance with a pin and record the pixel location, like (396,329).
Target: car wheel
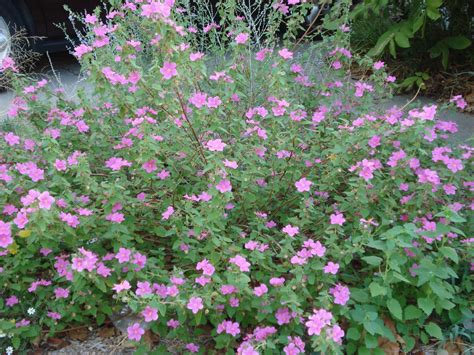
(10,21)
(5,39)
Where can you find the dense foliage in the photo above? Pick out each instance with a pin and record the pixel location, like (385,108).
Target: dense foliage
(418,36)
(251,198)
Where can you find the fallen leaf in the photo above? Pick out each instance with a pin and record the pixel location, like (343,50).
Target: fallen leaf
(389,347)
(107,332)
(78,334)
(57,343)
(454,348)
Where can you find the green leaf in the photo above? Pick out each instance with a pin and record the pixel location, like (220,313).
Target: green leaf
(395,308)
(392,49)
(440,290)
(433,13)
(372,260)
(409,343)
(353,333)
(377,290)
(402,40)
(411,312)
(434,3)
(426,304)
(381,44)
(371,341)
(434,330)
(458,42)
(450,253)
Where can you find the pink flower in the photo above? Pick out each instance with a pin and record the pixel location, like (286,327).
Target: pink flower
(168,70)
(224,186)
(173,323)
(317,321)
(337,218)
(135,332)
(241,38)
(336,333)
(379,65)
(199,99)
(54,315)
(167,214)
(61,293)
(5,234)
(228,327)
(196,56)
(206,267)
(331,268)
(290,230)
(21,220)
(117,163)
(214,102)
(60,165)
(215,145)
(259,291)
(374,141)
(123,286)
(12,139)
(303,185)
(192,347)
(82,49)
(45,200)
(11,301)
(459,101)
(285,53)
(277,281)
(241,262)
(123,255)
(230,164)
(195,304)
(149,166)
(115,217)
(341,294)
(70,219)
(283,316)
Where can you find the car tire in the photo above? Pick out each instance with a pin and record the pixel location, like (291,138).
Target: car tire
(10,21)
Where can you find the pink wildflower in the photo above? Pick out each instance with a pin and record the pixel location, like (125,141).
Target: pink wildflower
(241,263)
(331,268)
(241,38)
(167,214)
(195,304)
(215,145)
(135,332)
(337,218)
(224,186)
(168,70)
(290,230)
(285,53)
(303,185)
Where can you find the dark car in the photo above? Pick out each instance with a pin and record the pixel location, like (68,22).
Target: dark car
(39,19)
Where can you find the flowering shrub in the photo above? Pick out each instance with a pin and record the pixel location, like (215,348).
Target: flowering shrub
(259,201)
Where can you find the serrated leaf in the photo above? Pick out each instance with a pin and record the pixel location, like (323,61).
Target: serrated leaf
(426,304)
(411,312)
(372,260)
(395,308)
(434,330)
(353,333)
(377,290)
(450,253)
